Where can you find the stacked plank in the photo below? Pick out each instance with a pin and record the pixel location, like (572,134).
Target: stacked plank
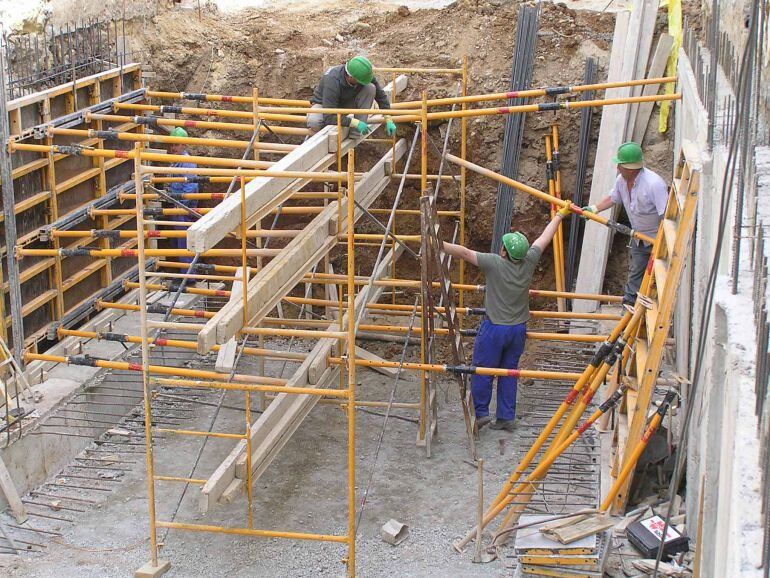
(559,548)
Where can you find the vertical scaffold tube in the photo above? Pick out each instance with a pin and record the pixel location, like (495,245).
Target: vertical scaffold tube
(351,369)
(139,186)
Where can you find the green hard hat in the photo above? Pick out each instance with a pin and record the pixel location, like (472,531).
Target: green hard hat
(360,68)
(179,131)
(516,244)
(629,155)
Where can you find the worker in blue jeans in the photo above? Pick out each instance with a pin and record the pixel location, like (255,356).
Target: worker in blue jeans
(503,332)
(178,189)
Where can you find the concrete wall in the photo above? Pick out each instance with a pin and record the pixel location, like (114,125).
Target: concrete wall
(723,461)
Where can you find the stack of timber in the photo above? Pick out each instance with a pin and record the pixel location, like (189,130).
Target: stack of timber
(539,553)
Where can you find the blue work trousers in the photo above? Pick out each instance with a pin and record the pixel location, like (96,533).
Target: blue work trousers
(497,346)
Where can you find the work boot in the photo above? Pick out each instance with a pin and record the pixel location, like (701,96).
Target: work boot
(503,424)
(482,421)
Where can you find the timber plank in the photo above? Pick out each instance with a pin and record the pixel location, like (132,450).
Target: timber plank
(266,193)
(281,274)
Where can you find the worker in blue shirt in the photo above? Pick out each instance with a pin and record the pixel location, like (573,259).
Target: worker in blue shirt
(177,189)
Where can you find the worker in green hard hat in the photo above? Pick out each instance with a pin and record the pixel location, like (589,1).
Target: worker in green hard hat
(503,331)
(349,85)
(178,190)
(644,194)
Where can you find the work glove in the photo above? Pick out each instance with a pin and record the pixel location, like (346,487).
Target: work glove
(565,211)
(590,209)
(360,126)
(390,126)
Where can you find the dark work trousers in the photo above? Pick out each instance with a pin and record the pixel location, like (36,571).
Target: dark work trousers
(638,257)
(497,346)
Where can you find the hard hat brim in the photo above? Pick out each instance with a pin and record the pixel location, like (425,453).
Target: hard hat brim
(629,165)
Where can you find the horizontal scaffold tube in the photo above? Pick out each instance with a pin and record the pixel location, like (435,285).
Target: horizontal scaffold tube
(169,287)
(201,124)
(406,283)
(534,92)
(542,107)
(547,198)
(547,91)
(304,196)
(463,369)
(386,308)
(235,172)
(134,253)
(408,309)
(89,361)
(223,113)
(196,96)
(274,113)
(176,343)
(342,111)
(145,156)
(438,331)
(149,213)
(196,141)
(197,384)
(178,234)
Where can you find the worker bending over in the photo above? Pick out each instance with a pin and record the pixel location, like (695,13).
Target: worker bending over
(644,194)
(177,189)
(349,85)
(503,331)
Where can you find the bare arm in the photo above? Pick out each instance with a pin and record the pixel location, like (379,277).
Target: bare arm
(461,252)
(545,237)
(604,204)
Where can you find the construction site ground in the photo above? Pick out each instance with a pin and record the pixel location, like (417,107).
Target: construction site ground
(304,491)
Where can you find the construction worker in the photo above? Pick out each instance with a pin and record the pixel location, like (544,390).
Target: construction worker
(177,189)
(503,331)
(349,85)
(644,195)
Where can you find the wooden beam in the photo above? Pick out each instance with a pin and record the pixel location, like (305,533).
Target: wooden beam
(647,17)
(265,193)
(591,269)
(364,354)
(286,412)
(9,490)
(657,68)
(279,276)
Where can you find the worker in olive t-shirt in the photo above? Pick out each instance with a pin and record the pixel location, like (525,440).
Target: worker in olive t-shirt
(500,340)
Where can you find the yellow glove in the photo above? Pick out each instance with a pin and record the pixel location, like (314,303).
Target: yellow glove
(565,211)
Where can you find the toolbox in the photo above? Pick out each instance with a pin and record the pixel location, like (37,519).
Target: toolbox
(645,536)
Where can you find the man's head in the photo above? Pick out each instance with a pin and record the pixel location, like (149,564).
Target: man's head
(629,159)
(515,246)
(359,70)
(177,148)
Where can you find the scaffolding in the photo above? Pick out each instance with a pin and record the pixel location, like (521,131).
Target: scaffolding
(132,240)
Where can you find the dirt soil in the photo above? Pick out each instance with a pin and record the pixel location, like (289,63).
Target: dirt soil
(283,51)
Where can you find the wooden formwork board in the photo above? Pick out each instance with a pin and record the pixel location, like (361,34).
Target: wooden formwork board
(49,186)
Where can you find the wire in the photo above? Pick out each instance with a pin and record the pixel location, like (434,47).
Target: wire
(387,415)
(726,198)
